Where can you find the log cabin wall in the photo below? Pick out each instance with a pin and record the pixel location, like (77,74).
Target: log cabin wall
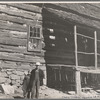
(59,17)
(59,40)
(59,50)
(14,19)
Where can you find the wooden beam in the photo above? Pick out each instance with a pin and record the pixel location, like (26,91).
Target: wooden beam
(77,73)
(75,39)
(78,82)
(13,41)
(18,49)
(27,7)
(95,42)
(19,20)
(20,13)
(74,18)
(20,57)
(14,27)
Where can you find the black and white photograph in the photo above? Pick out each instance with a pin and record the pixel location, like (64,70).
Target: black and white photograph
(50,50)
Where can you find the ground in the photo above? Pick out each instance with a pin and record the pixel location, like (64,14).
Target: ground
(48,93)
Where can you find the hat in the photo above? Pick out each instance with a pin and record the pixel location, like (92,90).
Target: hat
(38,63)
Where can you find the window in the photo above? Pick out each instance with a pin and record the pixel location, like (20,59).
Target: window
(34,38)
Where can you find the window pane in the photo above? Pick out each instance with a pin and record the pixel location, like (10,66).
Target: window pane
(31,34)
(30,28)
(38,30)
(34,29)
(38,34)
(34,34)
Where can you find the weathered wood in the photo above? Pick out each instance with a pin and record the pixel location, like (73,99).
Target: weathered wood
(13,41)
(19,49)
(26,7)
(85,36)
(14,65)
(95,42)
(19,20)
(60,55)
(19,13)
(86,60)
(20,57)
(74,18)
(47,23)
(13,34)
(86,10)
(53,60)
(12,26)
(75,39)
(78,82)
(98,35)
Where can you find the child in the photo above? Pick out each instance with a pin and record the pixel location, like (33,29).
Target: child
(26,91)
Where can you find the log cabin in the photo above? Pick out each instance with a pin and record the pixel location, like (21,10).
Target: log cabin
(64,37)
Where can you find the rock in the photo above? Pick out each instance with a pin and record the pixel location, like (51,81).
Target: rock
(2,80)
(3,74)
(7,89)
(15,87)
(19,73)
(13,82)
(71,92)
(19,90)
(22,77)
(8,81)
(18,84)
(9,72)
(25,72)
(14,72)
(18,81)
(14,77)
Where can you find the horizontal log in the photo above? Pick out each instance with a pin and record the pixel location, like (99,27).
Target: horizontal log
(12,26)
(74,18)
(19,13)
(13,34)
(19,49)
(82,9)
(60,55)
(13,41)
(13,65)
(26,7)
(50,22)
(59,61)
(19,20)
(20,57)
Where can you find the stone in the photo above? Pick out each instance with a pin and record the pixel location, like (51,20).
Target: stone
(25,72)
(17,81)
(2,80)
(3,74)
(19,73)
(14,72)
(21,82)
(9,72)
(13,82)
(14,77)
(8,81)
(7,89)
(22,77)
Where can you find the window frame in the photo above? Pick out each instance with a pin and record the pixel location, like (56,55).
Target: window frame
(37,38)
